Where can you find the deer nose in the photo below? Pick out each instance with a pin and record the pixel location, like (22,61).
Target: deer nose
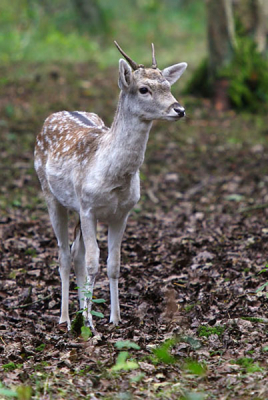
(179,110)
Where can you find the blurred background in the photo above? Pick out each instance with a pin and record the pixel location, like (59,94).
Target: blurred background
(223,41)
(82,30)
(59,55)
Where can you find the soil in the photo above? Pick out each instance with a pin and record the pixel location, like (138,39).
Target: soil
(194,256)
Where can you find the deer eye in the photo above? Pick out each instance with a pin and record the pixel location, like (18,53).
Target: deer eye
(143,90)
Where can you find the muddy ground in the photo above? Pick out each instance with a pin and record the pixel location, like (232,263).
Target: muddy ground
(193,256)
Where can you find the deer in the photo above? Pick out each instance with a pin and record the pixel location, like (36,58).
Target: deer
(84,166)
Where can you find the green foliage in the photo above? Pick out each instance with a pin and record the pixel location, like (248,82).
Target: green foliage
(247,364)
(41,347)
(21,392)
(193,396)
(262,287)
(97,314)
(7,392)
(200,83)
(126,344)
(86,333)
(11,366)
(204,330)
(253,319)
(77,323)
(123,364)
(24,392)
(194,343)
(79,30)
(162,352)
(195,368)
(247,75)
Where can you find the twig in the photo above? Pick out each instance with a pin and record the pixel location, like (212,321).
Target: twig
(252,208)
(33,302)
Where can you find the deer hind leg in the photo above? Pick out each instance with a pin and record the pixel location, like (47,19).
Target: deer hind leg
(92,252)
(78,254)
(115,235)
(59,219)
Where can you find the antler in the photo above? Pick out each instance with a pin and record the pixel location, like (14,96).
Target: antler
(154,63)
(132,63)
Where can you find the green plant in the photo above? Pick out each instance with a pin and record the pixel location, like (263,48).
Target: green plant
(262,287)
(200,84)
(193,396)
(88,295)
(195,367)
(122,362)
(86,332)
(78,324)
(21,392)
(253,319)
(41,347)
(162,352)
(11,366)
(121,344)
(247,364)
(204,330)
(247,76)
(7,392)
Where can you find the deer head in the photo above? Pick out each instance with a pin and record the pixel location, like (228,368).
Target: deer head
(149,89)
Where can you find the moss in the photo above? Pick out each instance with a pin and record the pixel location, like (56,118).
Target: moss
(77,323)
(206,331)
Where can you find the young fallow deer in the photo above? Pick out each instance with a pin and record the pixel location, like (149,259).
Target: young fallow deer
(84,166)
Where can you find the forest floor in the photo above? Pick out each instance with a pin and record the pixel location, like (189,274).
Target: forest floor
(195,252)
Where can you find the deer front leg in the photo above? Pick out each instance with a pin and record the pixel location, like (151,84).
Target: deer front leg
(115,235)
(88,227)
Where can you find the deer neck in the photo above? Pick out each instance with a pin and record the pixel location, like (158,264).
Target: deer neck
(128,138)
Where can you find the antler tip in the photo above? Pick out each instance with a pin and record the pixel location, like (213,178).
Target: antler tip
(132,63)
(154,63)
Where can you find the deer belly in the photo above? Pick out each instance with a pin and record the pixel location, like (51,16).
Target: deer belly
(114,204)
(62,188)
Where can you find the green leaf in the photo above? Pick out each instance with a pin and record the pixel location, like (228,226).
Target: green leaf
(87,295)
(138,377)
(263,270)
(162,352)
(98,301)
(8,392)
(123,364)
(86,332)
(195,368)
(235,197)
(194,343)
(194,396)
(97,314)
(260,289)
(24,392)
(127,344)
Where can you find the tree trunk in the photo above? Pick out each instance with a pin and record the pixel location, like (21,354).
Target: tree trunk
(253,15)
(221,34)
(221,43)
(260,23)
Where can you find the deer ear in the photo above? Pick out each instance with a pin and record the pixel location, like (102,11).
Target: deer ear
(125,74)
(173,73)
